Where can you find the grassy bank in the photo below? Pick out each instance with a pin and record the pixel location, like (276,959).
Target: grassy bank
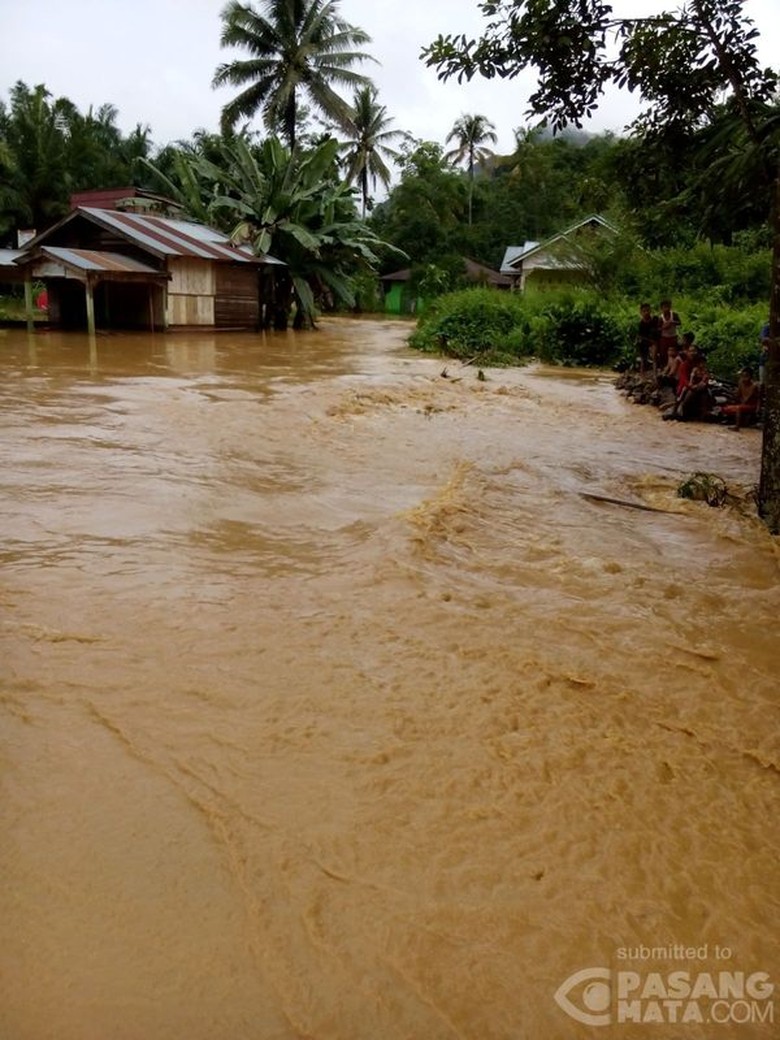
(578,327)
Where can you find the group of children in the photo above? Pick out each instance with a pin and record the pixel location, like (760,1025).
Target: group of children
(680,365)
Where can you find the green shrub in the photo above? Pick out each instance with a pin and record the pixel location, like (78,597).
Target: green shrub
(582,330)
(581,327)
(467,323)
(729,337)
(12,308)
(730,274)
(368,293)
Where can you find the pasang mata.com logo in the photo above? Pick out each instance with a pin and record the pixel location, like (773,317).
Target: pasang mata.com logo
(602,997)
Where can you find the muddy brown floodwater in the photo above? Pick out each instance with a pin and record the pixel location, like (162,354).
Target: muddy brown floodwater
(334,709)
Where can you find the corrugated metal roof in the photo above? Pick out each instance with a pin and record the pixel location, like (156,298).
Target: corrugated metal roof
(93,260)
(476,272)
(512,258)
(200,232)
(163,236)
(168,237)
(513,255)
(8,256)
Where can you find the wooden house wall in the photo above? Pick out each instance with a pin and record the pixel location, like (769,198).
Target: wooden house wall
(236,302)
(191,292)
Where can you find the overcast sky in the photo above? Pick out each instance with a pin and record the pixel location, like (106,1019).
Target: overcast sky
(154,60)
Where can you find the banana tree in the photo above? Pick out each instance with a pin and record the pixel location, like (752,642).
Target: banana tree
(291,204)
(296,207)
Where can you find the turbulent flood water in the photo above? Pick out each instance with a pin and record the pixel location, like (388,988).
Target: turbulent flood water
(339,704)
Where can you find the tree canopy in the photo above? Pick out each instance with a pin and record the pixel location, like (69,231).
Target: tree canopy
(472,134)
(679,62)
(296,48)
(49,149)
(368,144)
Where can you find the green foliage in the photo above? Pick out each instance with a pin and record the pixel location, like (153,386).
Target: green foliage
(599,256)
(295,50)
(12,308)
(367,292)
(469,322)
(722,274)
(48,149)
(369,136)
(578,327)
(543,185)
(431,280)
(680,63)
(425,211)
(704,487)
(471,134)
(727,335)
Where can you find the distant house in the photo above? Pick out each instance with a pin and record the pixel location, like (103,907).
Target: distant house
(401,299)
(128,259)
(10,272)
(551,262)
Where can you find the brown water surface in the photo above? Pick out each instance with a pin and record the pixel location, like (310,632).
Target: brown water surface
(333,708)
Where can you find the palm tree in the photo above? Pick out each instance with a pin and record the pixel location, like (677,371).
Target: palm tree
(296,47)
(9,194)
(35,133)
(471,133)
(369,132)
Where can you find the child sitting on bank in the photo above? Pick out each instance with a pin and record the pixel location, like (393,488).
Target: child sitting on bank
(693,393)
(745,409)
(671,371)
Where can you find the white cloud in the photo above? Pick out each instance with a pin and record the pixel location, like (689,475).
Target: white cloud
(155,60)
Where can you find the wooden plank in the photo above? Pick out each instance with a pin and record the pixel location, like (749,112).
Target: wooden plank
(237,303)
(192,277)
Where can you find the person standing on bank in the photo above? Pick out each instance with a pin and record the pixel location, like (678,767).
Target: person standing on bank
(668,328)
(647,336)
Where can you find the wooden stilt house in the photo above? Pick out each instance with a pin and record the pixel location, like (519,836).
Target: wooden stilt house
(125,259)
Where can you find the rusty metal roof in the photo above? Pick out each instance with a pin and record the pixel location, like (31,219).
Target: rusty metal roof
(168,237)
(94,260)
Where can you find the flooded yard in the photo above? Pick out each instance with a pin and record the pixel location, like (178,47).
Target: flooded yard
(338,703)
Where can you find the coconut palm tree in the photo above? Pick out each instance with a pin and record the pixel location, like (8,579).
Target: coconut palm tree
(9,195)
(367,147)
(295,47)
(35,132)
(471,133)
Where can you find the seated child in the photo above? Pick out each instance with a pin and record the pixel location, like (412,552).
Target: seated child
(696,402)
(693,394)
(745,409)
(671,372)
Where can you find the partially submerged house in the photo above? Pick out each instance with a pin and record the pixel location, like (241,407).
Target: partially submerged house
(128,259)
(10,272)
(401,298)
(555,261)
